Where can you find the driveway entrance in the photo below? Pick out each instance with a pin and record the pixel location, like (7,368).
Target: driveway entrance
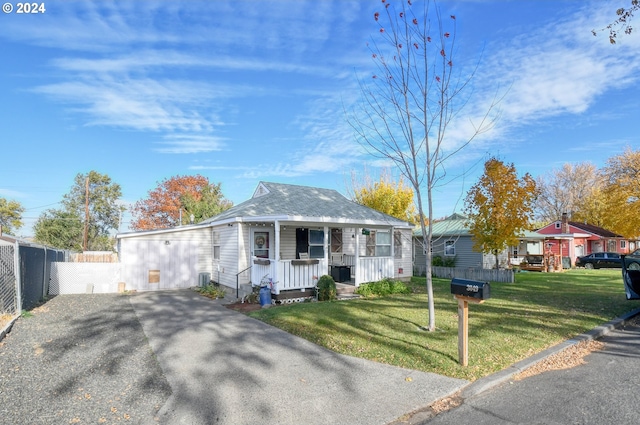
(227,368)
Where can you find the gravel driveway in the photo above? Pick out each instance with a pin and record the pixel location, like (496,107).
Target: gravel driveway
(80,359)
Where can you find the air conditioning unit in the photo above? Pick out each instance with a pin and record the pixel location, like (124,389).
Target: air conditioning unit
(204,279)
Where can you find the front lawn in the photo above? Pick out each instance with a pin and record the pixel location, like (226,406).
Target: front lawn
(520,319)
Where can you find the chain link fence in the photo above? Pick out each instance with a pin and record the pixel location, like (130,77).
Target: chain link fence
(9,297)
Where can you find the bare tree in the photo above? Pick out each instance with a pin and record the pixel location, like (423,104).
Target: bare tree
(411,101)
(565,190)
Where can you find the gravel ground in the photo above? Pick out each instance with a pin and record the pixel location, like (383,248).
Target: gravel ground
(80,359)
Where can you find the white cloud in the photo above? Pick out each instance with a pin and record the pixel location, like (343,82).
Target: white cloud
(189,143)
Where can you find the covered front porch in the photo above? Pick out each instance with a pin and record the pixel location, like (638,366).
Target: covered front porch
(293,256)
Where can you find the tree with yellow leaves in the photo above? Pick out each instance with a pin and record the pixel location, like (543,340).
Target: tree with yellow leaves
(499,207)
(389,197)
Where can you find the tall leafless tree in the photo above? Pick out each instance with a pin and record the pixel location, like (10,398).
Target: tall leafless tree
(412,100)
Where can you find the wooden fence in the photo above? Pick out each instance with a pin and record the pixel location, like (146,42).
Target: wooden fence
(94,257)
(483,275)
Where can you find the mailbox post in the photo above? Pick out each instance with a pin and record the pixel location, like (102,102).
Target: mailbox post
(466,291)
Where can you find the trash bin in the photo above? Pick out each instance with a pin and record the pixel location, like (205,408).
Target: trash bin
(265,296)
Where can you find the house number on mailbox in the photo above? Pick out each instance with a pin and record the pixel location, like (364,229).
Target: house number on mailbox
(473,288)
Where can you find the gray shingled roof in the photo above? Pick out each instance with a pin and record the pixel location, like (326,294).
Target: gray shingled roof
(303,201)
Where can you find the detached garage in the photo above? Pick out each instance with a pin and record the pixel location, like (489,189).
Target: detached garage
(164,259)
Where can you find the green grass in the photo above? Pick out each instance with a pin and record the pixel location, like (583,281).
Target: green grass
(520,319)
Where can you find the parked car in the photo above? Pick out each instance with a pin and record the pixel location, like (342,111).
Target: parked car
(633,260)
(599,260)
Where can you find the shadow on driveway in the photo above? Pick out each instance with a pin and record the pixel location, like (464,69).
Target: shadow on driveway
(227,368)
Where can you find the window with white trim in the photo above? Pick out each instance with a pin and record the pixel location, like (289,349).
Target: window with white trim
(216,245)
(378,243)
(383,244)
(450,248)
(623,244)
(316,243)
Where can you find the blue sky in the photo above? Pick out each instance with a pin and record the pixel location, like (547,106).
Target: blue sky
(244,91)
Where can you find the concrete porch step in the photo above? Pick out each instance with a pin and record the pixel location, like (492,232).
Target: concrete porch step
(345,288)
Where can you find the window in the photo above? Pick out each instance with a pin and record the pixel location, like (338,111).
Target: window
(383,244)
(623,244)
(216,245)
(316,243)
(558,225)
(450,248)
(612,245)
(310,241)
(378,244)
(397,245)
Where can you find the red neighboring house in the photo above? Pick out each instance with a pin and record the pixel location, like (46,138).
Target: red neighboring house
(573,239)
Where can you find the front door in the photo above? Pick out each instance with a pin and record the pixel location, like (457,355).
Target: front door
(262,243)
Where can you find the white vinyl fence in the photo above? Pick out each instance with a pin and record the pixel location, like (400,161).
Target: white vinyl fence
(83,278)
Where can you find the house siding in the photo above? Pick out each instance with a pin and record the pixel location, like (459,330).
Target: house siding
(226,268)
(175,259)
(405,262)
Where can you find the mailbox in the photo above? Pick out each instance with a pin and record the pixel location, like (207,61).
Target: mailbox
(471,288)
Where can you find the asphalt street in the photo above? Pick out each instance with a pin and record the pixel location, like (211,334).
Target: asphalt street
(604,390)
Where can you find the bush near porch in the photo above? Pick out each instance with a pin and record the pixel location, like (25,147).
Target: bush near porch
(521,319)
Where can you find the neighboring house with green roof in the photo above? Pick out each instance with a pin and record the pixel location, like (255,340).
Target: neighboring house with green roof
(291,234)
(451,240)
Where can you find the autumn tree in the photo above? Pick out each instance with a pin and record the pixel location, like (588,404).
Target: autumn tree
(621,193)
(411,100)
(10,215)
(385,195)
(565,190)
(499,207)
(94,200)
(174,201)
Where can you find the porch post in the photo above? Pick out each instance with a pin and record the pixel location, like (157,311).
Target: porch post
(327,248)
(357,257)
(276,255)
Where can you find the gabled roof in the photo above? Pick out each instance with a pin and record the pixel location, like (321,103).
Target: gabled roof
(293,202)
(595,230)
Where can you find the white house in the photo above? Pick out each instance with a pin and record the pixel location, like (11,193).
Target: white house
(289,234)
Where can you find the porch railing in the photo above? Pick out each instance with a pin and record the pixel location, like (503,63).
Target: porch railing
(372,269)
(304,274)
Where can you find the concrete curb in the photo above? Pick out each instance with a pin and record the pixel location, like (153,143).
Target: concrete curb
(483,384)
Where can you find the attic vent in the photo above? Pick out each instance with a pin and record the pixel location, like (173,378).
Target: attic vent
(260,190)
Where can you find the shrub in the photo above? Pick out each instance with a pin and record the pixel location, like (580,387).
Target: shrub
(438,261)
(212,290)
(326,288)
(450,262)
(383,287)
